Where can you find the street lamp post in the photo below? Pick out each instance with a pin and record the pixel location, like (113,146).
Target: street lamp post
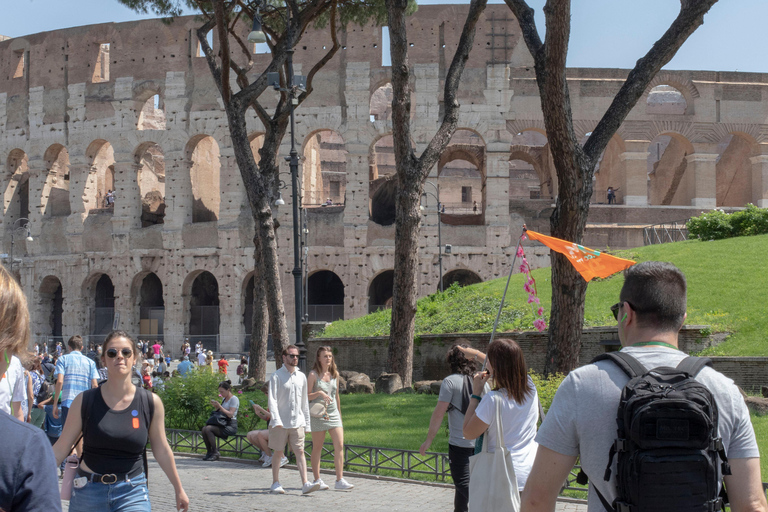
(295,83)
(19,226)
(436,195)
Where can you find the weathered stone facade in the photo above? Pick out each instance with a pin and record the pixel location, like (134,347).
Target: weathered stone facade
(132,108)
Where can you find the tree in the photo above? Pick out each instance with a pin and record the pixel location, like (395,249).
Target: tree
(412,171)
(575,164)
(231,20)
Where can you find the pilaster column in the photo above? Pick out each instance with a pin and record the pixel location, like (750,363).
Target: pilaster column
(635,182)
(701,178)
(496,207)
(232,189)
(127,214)
(760,180)
(178,191)
(356,196)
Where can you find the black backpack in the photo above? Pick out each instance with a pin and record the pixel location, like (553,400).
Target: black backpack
(668,450)
(466,395)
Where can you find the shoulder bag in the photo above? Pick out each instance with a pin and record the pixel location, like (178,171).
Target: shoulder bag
(492,480)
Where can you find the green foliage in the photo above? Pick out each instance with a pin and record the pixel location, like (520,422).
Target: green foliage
(727,290)
(717,225)
(546,387)
(187,399)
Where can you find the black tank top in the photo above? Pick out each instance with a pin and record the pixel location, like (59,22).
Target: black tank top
(114,441)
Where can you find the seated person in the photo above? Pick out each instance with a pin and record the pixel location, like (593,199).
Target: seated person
(260,438)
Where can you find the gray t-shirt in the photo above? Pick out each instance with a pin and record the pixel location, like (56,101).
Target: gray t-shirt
(450,391)
(232,402)
(582,419)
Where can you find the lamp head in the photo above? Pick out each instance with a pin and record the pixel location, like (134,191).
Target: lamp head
(30,239)
(280,201)
(257,34)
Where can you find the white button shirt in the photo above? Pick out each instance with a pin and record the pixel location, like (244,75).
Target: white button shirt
(289,399)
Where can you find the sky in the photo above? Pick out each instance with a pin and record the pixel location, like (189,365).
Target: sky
(605,33)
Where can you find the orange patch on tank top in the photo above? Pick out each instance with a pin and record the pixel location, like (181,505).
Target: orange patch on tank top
(135,422)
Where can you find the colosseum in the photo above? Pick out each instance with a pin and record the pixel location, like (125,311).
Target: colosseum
(116,150)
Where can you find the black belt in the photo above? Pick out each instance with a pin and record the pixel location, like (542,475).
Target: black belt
(109,478)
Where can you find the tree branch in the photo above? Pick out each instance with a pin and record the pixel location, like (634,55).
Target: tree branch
(451,117)
(202,32)
(226,90)
(327,57)
(401,91)
(691,16)
(527,22)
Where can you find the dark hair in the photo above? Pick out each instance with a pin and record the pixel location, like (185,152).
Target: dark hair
(289,347)
(656,291)
(459,362)
(75,342)
(227,384)
(243,360)
(113,336)
(509,370)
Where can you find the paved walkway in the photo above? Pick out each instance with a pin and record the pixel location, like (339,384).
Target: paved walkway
(238,486)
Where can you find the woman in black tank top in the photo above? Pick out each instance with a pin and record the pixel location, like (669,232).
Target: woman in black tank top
(119,419)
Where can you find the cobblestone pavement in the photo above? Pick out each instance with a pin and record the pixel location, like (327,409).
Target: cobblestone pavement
(237,486)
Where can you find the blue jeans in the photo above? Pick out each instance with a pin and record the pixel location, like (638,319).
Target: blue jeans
(124,496)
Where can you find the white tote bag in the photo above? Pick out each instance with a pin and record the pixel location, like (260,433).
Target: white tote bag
(492,480)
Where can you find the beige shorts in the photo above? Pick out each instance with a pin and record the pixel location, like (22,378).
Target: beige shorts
(278,436)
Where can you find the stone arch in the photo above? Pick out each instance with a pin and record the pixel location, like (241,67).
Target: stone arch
(325,296)
(16,194)
(531,168)
(51,306)
(55,196)
(462,276)
(248,291)
(665,99)
(380,104)
(150,159)
(610,172)
(382,183)
(99,292)
(683,85)
(461,179)
(205,175)
(733,170)
(668,182)
(148,301)
(380,290)
(324,169)
(101,179)
(200,294)
(149,106)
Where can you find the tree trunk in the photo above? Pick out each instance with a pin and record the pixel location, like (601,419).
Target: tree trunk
(257,368)
(400,354)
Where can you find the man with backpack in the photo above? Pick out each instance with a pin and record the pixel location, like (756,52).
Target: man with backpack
(678,419)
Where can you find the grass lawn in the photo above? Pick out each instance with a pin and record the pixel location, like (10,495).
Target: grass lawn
(727,289)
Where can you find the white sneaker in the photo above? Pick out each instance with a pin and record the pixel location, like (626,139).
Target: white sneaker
(267,461)
(277,488)
(323,486)
(309,487)
(343,485)
(283,461)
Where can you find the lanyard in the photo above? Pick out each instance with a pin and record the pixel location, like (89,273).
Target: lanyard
(659,343)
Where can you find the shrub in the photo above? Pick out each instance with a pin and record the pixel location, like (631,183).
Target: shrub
(717,224)
(187,399)
(546,387)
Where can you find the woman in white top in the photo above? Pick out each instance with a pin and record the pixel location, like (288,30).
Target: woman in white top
(519,407)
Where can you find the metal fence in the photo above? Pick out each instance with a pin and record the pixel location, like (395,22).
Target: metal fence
(369,459)
(667,232)
(325,312)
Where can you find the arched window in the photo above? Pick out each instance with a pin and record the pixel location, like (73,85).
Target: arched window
(380,291)
(665,99)
(325,297)
(151,178)
(324,171)
(205,178)
(152,115)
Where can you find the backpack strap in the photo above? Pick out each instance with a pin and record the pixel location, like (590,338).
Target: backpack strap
(626,362)
(146,396)
(693,365)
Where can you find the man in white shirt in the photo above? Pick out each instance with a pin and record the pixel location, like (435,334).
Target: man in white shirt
(201,358)
(12,389)
(289,406)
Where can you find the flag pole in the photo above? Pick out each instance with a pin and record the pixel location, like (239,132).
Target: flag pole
(504,296)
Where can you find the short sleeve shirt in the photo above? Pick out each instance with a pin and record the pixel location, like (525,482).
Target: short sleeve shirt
(78,372)
(451,391)
(232,402)
(582,418)
(12,385)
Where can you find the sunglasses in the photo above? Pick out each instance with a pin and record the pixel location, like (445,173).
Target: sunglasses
(112,353)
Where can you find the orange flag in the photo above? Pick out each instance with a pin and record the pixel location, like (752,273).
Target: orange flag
(588,262)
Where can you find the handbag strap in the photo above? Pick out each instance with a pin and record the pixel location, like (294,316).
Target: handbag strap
(499,425)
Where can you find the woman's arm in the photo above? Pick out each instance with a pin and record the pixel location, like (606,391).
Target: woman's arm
(311,381)
(434,425)
(163,454)
(71,431)
(30,396)
(474,426)
(473,354)
(229,411)
(261,412)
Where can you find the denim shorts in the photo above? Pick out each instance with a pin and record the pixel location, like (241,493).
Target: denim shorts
(124,496)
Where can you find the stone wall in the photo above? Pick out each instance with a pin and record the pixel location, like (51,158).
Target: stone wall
(151,126)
